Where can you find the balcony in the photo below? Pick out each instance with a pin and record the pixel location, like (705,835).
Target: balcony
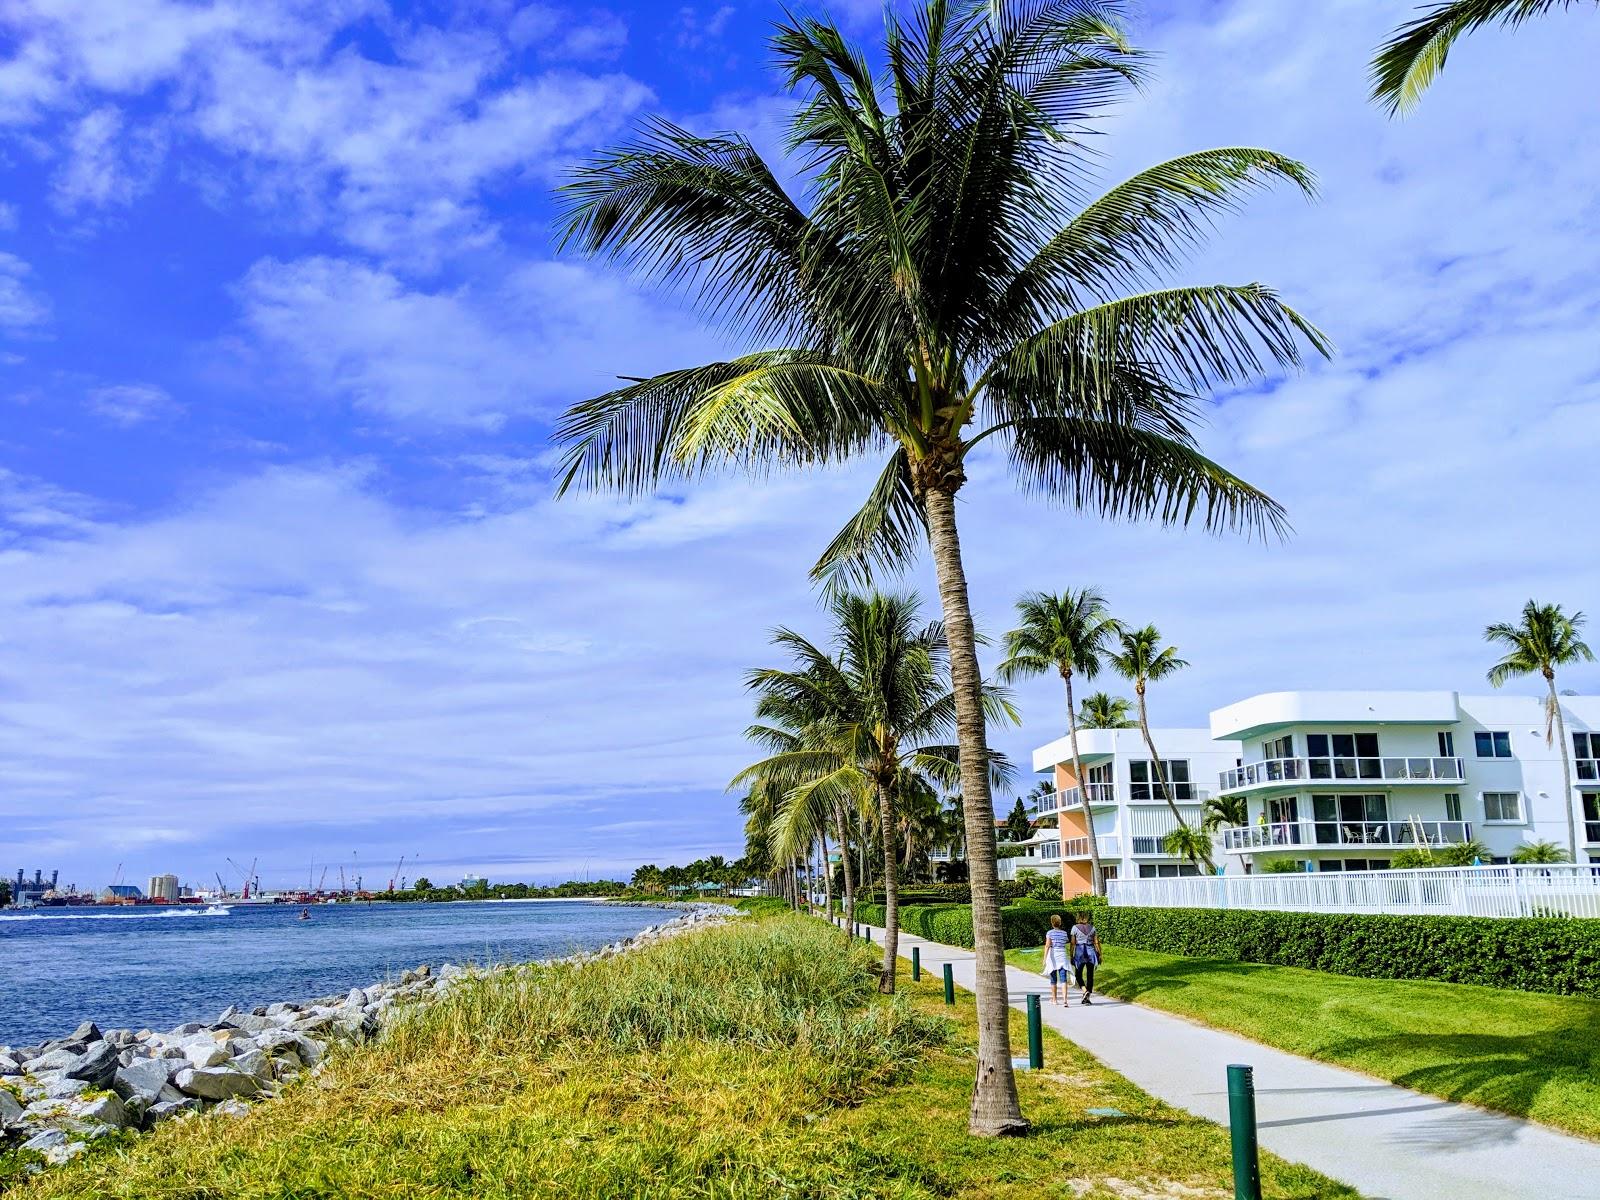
(1099,794)
(1317,835)
(1294,772)
(1078,847)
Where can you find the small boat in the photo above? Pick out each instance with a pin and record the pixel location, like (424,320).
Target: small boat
(305,914)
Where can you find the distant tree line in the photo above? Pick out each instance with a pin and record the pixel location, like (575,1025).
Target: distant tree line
(424,891)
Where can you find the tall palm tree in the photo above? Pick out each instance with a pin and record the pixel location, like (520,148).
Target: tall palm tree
(1067,634)
(1409,61)
(1102,711)
(1545,638)
(1141,659)
(939,285)
(1188,842)
(878,708)
(1226,811)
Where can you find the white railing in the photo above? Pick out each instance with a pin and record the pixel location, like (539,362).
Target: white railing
(1078,847)
(1282,835)
(1504,891)
(1343,770)
(1099,793)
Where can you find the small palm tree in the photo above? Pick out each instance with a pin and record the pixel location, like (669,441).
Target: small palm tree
(1224,812)
(1068,634)
(1540,852)
(1102,711)
(940,285)
(1192,844)
(1545,638)
(1408,62)
(1141,659)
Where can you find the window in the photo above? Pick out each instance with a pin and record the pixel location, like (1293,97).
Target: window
(1492,744)
(1452,806)
(1343,755)
(1586,749)
(1502,806)
(1353,864)
(1166,870)
(1351,820)
(1278,747)
(1447,744)
(1591,817)
(1147,785)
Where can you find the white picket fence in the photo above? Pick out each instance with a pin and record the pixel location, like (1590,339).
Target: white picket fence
(1506,891)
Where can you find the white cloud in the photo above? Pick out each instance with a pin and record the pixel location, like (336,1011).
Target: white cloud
(21,308)
(563,33)
(106,163)
(129,404)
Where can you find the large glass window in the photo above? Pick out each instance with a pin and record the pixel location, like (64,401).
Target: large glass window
(1591,817)
(1166,870)
(1278,747)
(1492,744)
(1502,806)
(1447,744)
(1350,820)
(1343,756)
(1147,786)
(1586,749)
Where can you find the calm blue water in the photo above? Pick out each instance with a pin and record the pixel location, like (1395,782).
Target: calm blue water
(156,968)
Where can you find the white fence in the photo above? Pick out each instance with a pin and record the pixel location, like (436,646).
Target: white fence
(1508,891)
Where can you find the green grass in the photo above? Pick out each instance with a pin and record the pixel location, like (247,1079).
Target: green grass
(1531,1054)
(749,1061)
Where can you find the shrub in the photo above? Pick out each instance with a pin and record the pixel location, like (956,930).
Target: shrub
(1280,865)
(944,893)
(1531,954)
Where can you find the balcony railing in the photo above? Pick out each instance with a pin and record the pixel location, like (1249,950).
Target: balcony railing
(1078,847)
(1337,770)
(1315,834)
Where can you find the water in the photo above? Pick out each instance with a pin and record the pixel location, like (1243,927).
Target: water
(159,967)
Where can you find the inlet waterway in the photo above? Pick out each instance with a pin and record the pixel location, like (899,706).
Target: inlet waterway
(132,968)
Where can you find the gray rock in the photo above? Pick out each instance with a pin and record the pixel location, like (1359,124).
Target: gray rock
(53,1060)
(189,1029)
(9,1065)
(57,1155)
(254,1024)
(216,1083)
(143,1080)
(10,1109)
(96,1066)
(45,1139)
(280,1009)
(232,1108)
(63,1087)
(205,1054)
(104,1109)
(229,1013)
(168,1109)
(254,1062)
(126,1058)
(356,998)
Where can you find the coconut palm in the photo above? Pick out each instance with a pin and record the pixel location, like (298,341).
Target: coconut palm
(1407,63)
(876,710)
(1141,659)
(941,285)
(1067,634)
(1102,711)
(1221,812)
(1545,638)
(1188,842)
(1540,852)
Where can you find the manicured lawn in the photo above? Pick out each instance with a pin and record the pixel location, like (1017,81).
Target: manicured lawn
(755,1061)
(1526,1053)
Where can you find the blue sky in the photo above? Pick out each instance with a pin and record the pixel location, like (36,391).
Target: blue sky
(282,332)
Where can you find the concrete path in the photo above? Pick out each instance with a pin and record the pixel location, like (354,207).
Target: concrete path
(1385,1141)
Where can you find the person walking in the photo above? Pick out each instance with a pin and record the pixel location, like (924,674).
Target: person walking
(1056,959)
(1085,954)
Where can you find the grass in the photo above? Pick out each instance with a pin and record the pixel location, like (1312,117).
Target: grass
(749,1061)
(1530,1054)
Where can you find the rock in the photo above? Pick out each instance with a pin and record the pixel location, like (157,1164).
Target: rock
(86,1033)
(126,1058)
(168,1109)
(63,1087)
(189,1029)
(143,1080)
(283,1041)
(216,1083)
(254,1062)
(232,1108)
(54,1060)
(356,998)
(229,1013)
(281,1009)
(9,1065)
(10,1109)
(45,1139)
(105,1109)
(57,1155)
(205,1054)
(96,1066)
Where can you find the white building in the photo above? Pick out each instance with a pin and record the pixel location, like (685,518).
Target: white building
(1124,799)
(163,887)
(1344,780)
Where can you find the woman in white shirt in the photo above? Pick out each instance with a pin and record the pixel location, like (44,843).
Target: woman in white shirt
(1057,964)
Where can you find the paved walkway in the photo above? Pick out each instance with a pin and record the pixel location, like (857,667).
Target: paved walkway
(1389,1143)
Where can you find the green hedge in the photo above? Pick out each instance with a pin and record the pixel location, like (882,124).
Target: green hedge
(951,924)
(944,893)
(1531,954)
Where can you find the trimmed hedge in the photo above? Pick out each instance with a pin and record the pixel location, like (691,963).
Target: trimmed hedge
(944,893)
(1530,954)
(951,924)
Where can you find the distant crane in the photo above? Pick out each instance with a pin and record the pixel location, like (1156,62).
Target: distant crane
(396,874)
(117,877)
(324,878)
(341,879)
(222,888)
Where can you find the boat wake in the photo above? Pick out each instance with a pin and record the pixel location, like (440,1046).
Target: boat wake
(214,910)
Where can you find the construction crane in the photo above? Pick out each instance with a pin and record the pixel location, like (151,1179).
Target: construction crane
(222,888)
(117,877)
(396,874)
(341,879)
(324,878)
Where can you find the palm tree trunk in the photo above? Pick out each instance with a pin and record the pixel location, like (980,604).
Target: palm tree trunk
(1155,761)
(1097,881)
(827,875)
(891,893)
(996,1111)
(1566,766)
(849,869)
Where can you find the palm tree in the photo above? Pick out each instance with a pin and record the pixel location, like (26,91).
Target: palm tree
(1188,842)
(937,287)
(1101,711)
(1407,63)
(1540,852)
(1141,659)
(876,710)
(1219,812)
(1546,638)
(1067,634)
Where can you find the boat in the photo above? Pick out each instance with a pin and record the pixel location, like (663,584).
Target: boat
(305,914)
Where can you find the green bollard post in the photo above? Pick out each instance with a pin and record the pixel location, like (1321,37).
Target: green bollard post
(916,963)
(1242,1126)
(949,984)
(1035,1034)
